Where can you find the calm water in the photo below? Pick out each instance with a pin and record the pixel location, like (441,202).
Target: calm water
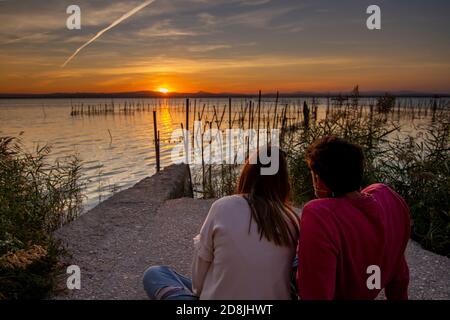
(116,150)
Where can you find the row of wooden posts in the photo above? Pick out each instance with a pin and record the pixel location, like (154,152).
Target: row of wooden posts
(219,123)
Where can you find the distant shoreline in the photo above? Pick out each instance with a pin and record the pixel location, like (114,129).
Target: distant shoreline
(206,95)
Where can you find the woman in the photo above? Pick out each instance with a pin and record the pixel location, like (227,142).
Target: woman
(353,240)
(245,247)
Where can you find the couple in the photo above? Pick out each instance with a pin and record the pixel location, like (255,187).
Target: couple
(347,244)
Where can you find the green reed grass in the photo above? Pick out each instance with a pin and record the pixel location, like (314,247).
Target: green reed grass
(36,198)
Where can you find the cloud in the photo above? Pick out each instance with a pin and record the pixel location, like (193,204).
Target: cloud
(208,47)
(165,29)
(261,18)
(254,2)
(41,37)
(163,64)
(206,19)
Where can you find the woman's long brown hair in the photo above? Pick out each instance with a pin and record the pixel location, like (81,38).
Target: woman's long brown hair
(268,197)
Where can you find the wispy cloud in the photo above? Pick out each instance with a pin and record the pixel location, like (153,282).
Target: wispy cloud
(112,25)
(35,38)
(165,29)
(261,18)
(208,47)
(254,2)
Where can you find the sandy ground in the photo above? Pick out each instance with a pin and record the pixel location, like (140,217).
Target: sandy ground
(115,242)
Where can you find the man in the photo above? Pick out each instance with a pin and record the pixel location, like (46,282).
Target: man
(352,241)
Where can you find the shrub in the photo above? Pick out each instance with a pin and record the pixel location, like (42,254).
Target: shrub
(419,169)
(385,103)
(36,198)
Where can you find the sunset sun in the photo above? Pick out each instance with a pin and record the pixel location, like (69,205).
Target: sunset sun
(163,90)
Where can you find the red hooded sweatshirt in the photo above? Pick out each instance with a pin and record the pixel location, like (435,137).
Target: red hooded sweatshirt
(341,238)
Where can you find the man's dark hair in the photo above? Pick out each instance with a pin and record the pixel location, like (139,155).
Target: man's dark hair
(338,163)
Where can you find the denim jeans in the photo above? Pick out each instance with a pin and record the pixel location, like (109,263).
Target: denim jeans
(163,283)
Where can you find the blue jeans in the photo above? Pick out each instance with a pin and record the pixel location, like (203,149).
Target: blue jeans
(163,283)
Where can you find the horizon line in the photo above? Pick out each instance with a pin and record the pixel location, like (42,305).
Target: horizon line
(152,93)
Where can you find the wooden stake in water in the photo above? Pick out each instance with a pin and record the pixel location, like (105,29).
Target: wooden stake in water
(275,113)
(259,117)
(156,137)
(193,124)
(230,125)
(186,138)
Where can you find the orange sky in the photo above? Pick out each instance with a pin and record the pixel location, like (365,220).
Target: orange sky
(237,46)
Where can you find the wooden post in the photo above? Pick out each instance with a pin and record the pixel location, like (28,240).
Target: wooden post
(193,122)
(211,194)
(186,138)
(156,137)
(187,114)
(259,116)
(229,113)
(250,126)
(275,113)
(230,125)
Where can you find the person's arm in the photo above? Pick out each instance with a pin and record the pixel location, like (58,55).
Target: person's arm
(317,254)
(203,252)
(397,288)
(200,268)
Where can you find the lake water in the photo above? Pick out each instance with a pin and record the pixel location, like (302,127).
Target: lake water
(117,150)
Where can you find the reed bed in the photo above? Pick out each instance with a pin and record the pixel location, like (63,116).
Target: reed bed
(36,197)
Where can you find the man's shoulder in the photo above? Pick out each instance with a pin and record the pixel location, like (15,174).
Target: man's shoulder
(376,187)
(381,191)
(322,207)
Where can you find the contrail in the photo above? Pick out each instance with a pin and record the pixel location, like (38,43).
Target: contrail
(112,25)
